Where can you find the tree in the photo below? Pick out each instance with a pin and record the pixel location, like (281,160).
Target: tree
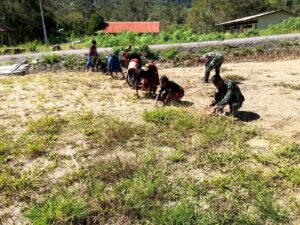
(95,23)
(204,14)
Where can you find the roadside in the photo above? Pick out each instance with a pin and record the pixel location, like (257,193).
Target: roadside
(234,42)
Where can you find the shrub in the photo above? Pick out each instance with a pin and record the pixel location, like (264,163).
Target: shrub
(51,59)
(169,53)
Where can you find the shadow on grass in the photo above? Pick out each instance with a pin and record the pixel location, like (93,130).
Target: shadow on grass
(183,104)
(246,116)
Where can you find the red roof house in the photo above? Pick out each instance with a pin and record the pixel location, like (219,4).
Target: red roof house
(136,27)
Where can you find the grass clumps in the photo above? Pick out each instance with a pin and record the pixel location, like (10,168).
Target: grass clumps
(41,135)
(183,212)
(15,184)
(295,87)
(235,78)
(176,119)
(6,146)
(51,59)
(176,167)
(105,132)
(64,209)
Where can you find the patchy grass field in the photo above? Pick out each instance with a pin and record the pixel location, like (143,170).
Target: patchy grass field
(81,149)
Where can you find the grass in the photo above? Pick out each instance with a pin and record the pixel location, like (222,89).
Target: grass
(289,86)
(235,78)
(6,146)
(141,170)
(64,209)
(140,190)
(41,135)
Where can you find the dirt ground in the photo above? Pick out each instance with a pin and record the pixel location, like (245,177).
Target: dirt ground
(273,108)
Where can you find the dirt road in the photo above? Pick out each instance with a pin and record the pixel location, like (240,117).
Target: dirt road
(32,96)
(238,41)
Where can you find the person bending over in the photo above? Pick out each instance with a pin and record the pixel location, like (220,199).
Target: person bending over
(169,91)
(227,93)
(212,60)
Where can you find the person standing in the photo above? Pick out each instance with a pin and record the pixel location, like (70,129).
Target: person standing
(92,56)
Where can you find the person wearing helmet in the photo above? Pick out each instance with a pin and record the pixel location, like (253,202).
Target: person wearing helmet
(212,60)
(170,91)
(228,93)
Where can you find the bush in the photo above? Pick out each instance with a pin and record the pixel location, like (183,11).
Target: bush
(169,53)
(51,59)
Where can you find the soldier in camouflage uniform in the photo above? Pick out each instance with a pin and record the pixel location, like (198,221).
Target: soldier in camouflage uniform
(212,60)
(228,93)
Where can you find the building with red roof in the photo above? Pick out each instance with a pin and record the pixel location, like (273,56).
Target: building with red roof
(136,27)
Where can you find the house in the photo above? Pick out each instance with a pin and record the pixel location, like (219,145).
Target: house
(259,21)
(136,27)
(5,34)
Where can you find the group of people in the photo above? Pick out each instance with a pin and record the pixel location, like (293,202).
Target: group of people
(227,93)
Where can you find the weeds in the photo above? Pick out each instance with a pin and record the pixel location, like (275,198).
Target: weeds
(51,59)
(268,210)
(41,135)
(289,86)
(6,146)
(64,209)
(235,78)
(143,185)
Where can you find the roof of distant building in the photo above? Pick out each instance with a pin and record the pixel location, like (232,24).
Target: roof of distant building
(137,27)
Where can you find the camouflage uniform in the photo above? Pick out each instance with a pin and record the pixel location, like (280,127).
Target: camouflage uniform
(229,94)
(213,60)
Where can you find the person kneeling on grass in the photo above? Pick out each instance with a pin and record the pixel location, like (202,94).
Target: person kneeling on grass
(228,93)
(170,91)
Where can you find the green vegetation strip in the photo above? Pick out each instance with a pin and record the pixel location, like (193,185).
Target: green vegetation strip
(180,35)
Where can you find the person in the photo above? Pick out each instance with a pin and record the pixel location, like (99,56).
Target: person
(170,91)
(134,70)
(150,78)
(228,93)
(114,64)
(136,56)
(212,60)
(125,57)
(92,56)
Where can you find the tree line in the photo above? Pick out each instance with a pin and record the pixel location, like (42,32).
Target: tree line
(80,17)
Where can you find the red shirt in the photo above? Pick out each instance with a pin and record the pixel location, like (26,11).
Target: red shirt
(93,51)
